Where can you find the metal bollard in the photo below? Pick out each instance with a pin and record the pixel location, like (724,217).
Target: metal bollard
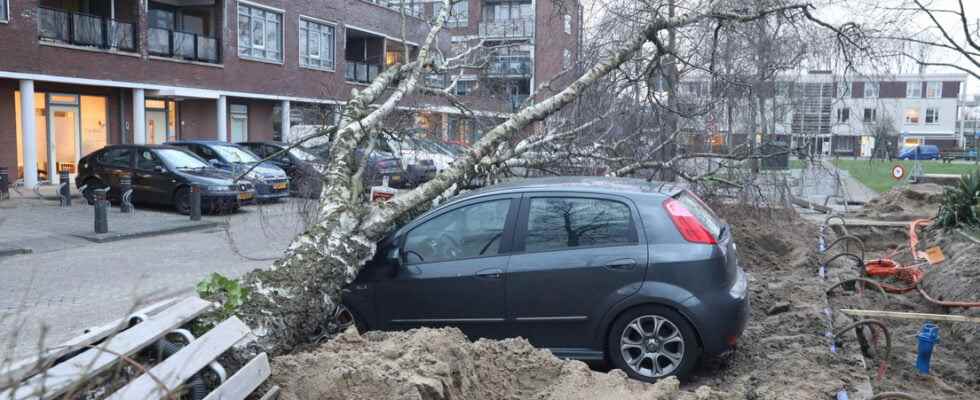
(195,203)
(4,183)
(64,190)
(126,193)
(101,210)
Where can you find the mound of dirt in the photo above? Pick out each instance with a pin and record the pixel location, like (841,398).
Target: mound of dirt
(424,364)
(770,238)
(905,203)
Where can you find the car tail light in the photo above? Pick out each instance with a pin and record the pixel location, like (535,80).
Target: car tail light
(687,224)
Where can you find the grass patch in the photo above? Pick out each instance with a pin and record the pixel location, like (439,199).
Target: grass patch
(877,174)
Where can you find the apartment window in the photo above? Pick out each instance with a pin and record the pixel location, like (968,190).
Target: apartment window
(4,10)
(317,44)
(506,11)
(566,59)
(465,88)
(913,90)
(871,89)
(934,90)
(568,24)
(459,15)
(870,115)
(911,116)
(843,114)
(259,33)
(932,115)
(843,89)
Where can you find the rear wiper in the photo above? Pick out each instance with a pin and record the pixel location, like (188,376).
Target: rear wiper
(721,232)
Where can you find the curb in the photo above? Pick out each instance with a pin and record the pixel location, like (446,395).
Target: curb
(114,237)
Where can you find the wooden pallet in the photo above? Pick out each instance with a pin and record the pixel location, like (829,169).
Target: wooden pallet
(50,375)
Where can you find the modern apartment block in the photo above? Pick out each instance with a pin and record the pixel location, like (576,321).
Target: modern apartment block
(79,74)
(839,115)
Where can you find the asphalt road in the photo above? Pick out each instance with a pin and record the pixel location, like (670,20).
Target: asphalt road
(52,296)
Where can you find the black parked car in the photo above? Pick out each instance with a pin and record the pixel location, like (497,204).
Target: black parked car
(270,181)
(304,169)
(641,274)
(381,164)
(160,175)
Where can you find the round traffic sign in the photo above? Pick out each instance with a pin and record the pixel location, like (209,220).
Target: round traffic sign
(898,171)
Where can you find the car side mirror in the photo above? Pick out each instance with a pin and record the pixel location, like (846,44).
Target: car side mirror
(159,168)
(394,260)
(214,162)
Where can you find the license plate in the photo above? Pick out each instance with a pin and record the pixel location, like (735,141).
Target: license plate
(280,186)
(245,196)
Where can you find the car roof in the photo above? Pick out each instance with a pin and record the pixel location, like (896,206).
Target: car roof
(203,141)
(590,184)
(143,146)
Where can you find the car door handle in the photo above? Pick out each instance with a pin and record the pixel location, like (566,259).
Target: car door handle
(490,273)
(625,264)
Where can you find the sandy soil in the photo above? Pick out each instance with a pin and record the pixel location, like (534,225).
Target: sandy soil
(905,203)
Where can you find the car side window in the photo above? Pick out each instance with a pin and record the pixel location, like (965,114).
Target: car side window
(146,160)
(470,231)
(118,158)
(555,223)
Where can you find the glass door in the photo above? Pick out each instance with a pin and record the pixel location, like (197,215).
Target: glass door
(239,123)
(156,126)
(63,133)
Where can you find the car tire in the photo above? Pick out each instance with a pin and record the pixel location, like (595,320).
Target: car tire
(89,193)
(651,342)
(182,200)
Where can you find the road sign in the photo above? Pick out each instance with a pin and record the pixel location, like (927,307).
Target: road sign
(898,172)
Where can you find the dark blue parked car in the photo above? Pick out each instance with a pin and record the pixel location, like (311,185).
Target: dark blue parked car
(270,181)
(642,274)
(919,152)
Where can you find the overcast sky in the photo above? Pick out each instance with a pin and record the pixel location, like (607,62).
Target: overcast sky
(864,11)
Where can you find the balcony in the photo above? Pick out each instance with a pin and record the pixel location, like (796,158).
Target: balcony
(60,26)
(509,66)
(361,72)
(507,29)
(182,45)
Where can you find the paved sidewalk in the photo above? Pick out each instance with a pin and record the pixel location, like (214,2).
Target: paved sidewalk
(29,224)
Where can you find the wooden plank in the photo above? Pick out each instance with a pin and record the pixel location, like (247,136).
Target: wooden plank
(58,379)
(185,363)
(910,315)
(28,367)
(245,381)
(272,394)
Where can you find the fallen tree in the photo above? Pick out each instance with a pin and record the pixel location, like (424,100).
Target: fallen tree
(292,303)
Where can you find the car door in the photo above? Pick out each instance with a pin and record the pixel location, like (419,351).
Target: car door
(151,181)
(114,163)
(575,255)
(452,270)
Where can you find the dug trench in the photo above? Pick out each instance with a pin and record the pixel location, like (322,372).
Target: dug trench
(783,354)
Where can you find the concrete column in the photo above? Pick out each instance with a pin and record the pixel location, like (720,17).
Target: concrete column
(29,132)
(222,122)
(139,116)
(284,120)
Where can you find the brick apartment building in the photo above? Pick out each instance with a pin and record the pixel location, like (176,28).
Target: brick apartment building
(836,115)
(99,72)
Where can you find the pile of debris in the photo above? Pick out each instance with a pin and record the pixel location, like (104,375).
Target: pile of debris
(905,203)
(436,364)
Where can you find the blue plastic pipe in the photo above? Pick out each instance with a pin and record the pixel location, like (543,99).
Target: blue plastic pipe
(928,338)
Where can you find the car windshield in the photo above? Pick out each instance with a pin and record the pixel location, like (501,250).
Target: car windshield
(433,147)
(302,154)
(235,154)
(180,159)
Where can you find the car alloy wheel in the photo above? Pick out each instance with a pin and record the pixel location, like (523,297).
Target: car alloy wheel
(652,346)
(182,200)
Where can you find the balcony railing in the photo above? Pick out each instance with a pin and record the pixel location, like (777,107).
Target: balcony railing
(508,28)
(85,29)
(183,45)
(411,7)
(509,66)
(361,72)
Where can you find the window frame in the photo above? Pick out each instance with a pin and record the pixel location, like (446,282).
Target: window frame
(918,116)
(5,8)
(282,32)
(939,90)
(935,115)
(874,115)
(910,87)
(299,43)
(521,228)
(872,84)
(567,21)
(506,239)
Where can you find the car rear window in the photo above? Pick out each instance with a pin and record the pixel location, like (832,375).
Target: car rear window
(705,215)
(556,223)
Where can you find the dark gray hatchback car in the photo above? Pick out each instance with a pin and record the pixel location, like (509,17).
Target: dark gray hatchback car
(641,274)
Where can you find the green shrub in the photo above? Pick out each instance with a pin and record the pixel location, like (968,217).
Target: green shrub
(227,292)
(959,207)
